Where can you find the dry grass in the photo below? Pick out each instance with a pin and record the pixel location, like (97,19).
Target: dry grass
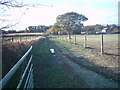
(91,57)
(94,42)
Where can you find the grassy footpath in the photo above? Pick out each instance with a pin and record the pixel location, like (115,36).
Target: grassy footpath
(47,74)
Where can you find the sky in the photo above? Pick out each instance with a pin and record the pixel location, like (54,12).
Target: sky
(97,11)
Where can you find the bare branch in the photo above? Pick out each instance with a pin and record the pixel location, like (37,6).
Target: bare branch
(11,3)
(7,4)
(9,26)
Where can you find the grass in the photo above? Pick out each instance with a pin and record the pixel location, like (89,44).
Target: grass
(42,50)
(92,54)
(57,78)
(94,41)
(47,74)
(66,46)
(19,38)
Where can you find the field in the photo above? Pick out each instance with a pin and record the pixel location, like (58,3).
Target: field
(94,42)
(19,37)
(106,63)
(15,34)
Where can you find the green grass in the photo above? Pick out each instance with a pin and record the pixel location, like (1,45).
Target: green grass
(67,46)
(50,75)
(42,50)
(57,78)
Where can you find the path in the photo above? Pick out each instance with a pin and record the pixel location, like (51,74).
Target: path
(80,76)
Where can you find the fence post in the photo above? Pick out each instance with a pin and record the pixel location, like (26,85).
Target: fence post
(75,39)
(26,38)
(102,48)
(66,38)
(12,39)
(20,38)
(62,36)
(85,41)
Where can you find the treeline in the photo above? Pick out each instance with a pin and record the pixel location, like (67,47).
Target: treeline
(30,29)
(94,29)
(91,29)
(39,29)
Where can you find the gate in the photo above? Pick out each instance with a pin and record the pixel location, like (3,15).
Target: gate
(26,78)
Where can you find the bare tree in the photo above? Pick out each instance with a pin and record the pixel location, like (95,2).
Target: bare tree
(8,4)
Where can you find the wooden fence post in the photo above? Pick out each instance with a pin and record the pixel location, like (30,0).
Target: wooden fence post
(12,39)
(85,41)
(75,39)
(62,36)
(66,38)
(26,38)
(102,45)
(20,38)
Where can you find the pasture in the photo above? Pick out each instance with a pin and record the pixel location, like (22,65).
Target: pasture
(18,34)
(19,37)
(94,42)
(91,57)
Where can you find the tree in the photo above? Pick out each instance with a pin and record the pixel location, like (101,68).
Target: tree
(40,28)
(69,21)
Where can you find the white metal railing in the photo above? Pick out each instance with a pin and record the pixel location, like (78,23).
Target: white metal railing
(29,80)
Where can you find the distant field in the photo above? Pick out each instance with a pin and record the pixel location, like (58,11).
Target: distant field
(14,34)
(94,42)
(15,37)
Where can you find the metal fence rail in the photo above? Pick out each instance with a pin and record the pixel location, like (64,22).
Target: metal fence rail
(8,76)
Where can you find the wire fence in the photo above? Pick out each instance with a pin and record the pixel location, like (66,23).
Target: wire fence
(107,43)
(18,38)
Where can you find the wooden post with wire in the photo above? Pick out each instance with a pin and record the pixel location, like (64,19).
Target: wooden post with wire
(85,41)
(75,39)
(102,44)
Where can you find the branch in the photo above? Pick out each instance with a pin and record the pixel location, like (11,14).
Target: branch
(9,26)
(14,4)
(11,3)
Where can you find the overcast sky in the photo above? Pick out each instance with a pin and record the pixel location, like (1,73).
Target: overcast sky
(98,12)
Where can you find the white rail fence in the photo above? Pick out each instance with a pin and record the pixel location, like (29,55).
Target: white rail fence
(27,74)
